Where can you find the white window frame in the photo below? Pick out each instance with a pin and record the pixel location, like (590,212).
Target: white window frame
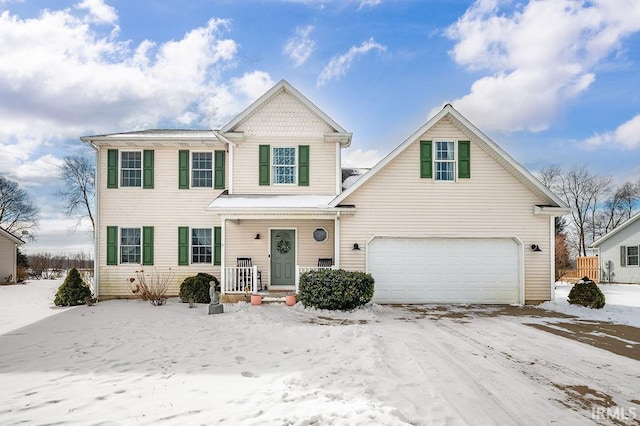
(192,246)
(454,161)
(122,169)
(326,237)
(636,256)
(293,166)
(193,169)
(122,246)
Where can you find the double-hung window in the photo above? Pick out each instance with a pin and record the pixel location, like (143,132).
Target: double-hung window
(284,165)
(130,245)
(632,256)
(131,168)
(201,245)
(445,161)
(202,170)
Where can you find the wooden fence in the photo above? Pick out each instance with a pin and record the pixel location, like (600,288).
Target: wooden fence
(586,266)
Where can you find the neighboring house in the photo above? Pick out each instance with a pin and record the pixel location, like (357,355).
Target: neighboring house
(447,216)
(619,253)
(9,244)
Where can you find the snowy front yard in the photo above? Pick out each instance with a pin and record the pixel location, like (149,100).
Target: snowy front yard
(127,362)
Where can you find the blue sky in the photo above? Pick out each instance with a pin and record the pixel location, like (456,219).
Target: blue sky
(554,81)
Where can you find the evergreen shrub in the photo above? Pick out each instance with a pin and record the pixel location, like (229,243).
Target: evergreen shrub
(335,289)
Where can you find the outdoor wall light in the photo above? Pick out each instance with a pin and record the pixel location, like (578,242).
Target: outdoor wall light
(356,246)
(257,236)
(534,247)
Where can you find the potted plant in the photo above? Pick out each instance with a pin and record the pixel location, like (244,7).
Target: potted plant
(290,299)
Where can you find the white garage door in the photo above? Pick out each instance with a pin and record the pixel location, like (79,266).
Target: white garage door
(441,270)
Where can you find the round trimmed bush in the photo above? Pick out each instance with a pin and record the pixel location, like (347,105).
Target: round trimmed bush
(335,289)
(586,293)
(73,291)
(196,288)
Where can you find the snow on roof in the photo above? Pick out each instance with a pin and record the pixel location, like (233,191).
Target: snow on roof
(271,202)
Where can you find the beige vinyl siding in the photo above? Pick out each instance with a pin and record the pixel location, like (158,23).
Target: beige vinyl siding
(284,122)
(165,208)
(491,203)
(241,242)
(7,258)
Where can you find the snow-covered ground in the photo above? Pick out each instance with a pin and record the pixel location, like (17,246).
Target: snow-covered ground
(127,362)
(622,304)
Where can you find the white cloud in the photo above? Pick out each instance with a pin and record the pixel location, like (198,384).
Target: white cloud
(300,47)
(39,171)
(66,73)
(99,11)
(340,64)
(537,56)
(626,136)
(369,3)
(359,158)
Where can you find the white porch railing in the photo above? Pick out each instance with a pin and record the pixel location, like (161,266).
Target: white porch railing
(244,279)
(240,279)
(302,269)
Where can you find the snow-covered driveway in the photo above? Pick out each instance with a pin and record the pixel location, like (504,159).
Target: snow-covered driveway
(127,362)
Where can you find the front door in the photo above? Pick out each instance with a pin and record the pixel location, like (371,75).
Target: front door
(283,256)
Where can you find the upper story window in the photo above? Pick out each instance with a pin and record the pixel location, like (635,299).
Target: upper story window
(202,170)
(445,161)
(131,168)
(284,165)
(130,245)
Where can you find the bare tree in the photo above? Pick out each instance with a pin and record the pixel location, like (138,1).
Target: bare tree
(18,214)
(78,174)
(617,209)
(583,191)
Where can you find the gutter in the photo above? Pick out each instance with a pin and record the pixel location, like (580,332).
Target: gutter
(96,231)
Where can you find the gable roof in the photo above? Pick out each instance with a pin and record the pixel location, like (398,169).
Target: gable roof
(554,205)
(633,219)
(281,86)
(10,236)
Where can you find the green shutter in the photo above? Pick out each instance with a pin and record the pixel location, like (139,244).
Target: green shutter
(183,169)
(112,245)
(217,245)
(265,164)
(623,256)
(112,168)
(464,159)
(303,165)
(183,245)
(219,170)
(147,245)
(147,169)
(426,164)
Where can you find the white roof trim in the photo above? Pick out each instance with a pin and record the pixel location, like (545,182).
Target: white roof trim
(513,166)
(613,232)
(245,206)
(159,137)
(10,236)
(282,85)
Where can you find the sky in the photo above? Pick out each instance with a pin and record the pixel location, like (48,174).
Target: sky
(551,81)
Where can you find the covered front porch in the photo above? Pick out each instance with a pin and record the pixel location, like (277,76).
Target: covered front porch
(268,241)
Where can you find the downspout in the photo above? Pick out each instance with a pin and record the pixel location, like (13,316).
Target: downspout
(96,231)
(338,168)
(231,145)
(552,255)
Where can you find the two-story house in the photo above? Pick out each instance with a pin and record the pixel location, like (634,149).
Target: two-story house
(448,216)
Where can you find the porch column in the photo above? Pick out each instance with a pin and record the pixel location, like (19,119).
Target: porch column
(336,241)
(223,263)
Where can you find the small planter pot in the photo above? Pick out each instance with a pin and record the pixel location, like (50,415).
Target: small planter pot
(290,299)
(256,299)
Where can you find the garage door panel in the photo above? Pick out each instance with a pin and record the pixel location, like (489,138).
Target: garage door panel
(438,270)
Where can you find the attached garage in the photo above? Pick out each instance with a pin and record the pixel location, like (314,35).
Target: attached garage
(446,270)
